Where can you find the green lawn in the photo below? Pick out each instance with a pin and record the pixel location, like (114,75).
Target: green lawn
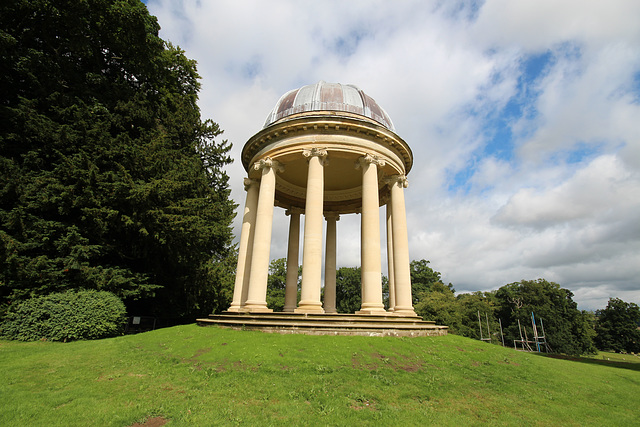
(617,357)
(191,375)
(625,361)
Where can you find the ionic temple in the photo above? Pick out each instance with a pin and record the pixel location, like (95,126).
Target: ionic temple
(326,150)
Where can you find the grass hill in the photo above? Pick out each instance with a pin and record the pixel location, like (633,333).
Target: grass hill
(189,375)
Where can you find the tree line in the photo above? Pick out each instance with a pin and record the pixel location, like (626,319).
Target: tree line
(503,314)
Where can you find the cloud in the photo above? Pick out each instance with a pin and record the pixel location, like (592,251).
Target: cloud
(522,117)
(538,25)
(602,189)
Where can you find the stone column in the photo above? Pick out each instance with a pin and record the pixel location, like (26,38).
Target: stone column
(392,280)
(402,271)
(291,288)
(257,296)
(330,263)
(246,245)
(370,237)
(312,249)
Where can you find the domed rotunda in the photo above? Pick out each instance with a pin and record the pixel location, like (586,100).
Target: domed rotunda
(325,150)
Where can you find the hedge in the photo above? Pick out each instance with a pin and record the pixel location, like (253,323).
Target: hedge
(66,316)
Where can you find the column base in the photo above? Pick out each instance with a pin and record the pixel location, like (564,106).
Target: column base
(258,310)
(234,308)
(309,307)
(288,309)
(372,309)
(331,311)
(255,308)
(399,311)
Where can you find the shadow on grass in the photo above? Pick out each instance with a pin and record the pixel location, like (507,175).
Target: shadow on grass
(634,366)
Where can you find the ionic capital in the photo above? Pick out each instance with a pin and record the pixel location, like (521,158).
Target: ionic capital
(368,159)
(322,153)
(293,211)
(248,182)
(332,216)
(268,162)
(401,180)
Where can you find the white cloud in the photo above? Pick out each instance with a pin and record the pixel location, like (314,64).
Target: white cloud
(544,23)
(599,190)
(560,200)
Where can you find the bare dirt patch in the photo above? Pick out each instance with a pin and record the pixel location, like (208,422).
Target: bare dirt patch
(200,352)
(411,368)
(151,422)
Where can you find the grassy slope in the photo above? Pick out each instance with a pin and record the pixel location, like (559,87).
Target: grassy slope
(208,376)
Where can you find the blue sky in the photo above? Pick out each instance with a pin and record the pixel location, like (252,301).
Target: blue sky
(522,116)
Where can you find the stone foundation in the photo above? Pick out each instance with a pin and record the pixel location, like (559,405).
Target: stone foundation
(328,324)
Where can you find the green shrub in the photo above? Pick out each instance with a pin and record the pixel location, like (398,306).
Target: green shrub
(66,316)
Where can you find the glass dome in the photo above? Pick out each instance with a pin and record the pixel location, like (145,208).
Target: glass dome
(324,96)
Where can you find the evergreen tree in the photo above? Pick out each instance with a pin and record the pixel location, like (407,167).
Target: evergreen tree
(109,178)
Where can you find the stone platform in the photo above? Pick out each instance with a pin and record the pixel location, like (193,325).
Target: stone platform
(328,324)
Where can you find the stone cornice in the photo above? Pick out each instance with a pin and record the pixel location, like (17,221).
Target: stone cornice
(330,124)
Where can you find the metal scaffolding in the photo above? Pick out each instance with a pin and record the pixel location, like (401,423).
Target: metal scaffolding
(538,342)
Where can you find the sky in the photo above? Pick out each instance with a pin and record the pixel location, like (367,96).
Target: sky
(523,118)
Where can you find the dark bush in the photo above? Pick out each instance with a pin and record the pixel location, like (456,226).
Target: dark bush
(66,316)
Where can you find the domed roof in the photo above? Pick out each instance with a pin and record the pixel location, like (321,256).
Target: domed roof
(324,96)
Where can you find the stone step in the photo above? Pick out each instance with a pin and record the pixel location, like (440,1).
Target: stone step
(316,324)
(327,324)
(324,316)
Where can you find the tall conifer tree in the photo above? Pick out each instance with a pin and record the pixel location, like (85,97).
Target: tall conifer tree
(109,178)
